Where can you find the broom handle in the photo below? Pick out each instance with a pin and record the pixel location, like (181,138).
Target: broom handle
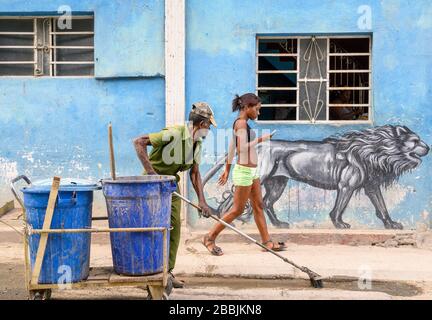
(239,232)
(111,146)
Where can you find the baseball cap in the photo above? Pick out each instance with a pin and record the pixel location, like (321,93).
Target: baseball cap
(204,110)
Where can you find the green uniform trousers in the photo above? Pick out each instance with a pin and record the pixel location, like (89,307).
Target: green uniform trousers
(176,228)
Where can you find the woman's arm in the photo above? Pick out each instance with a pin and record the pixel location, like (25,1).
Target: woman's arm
(229,159)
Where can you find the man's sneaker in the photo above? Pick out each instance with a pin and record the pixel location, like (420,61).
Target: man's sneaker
(178,284)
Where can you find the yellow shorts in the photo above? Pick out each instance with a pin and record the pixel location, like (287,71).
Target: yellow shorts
(244,176)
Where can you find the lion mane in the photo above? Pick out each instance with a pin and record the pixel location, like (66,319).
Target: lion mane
(376,152)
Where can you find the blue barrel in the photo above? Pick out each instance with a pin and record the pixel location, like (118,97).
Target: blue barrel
(138,202)
(67,255)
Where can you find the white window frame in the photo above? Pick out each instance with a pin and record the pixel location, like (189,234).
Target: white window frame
(52,37)
(327,80)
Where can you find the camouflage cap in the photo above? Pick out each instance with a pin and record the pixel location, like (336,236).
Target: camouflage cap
(204,110)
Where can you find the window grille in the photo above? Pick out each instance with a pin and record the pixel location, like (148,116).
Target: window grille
(314,79)
(43,46)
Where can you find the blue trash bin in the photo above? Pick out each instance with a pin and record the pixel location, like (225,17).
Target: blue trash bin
(138,202)
(67,255)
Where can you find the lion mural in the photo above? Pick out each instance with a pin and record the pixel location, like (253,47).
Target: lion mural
(370,160)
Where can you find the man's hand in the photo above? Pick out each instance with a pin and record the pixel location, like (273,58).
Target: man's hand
(205,210)
(223,178)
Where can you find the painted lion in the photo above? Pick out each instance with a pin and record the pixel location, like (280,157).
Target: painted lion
(369,159)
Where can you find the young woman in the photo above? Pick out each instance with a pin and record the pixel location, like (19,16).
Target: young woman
(245,174)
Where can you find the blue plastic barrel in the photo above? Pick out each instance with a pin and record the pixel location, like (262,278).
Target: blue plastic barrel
(67,255)
(138,202)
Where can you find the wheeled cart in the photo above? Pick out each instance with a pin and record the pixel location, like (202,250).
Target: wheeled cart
(156,284)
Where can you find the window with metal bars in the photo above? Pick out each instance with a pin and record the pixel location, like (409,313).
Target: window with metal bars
(45,46)
(314,79)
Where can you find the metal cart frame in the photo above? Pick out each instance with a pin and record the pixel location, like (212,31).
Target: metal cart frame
(99,276)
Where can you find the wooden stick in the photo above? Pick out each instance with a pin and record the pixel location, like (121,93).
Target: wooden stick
(111,145)
(97,230)
(46,225)
(7,207)
(165,258)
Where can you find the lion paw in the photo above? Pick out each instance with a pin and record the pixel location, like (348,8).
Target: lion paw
(341,225)
(393,225)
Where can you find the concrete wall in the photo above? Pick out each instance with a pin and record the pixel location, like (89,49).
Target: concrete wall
(220,62)
(59,126)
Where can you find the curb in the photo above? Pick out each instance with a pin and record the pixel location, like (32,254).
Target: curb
(314,237)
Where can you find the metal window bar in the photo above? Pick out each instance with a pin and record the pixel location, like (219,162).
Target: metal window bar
(17,47)
(298,86)
(278,88)
(17,62)
(72,62)
(348,105)
(54,63)
(51,69)
(341,52)
(277,54)
(290,54)
(71,33)
(18,33)
(279,105)
(277,71)
(350,71)
(328,81)
(35,66)
(349,88)
(349,54)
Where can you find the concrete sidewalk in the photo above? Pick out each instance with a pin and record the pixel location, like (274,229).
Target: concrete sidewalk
(399,266)
(247,260)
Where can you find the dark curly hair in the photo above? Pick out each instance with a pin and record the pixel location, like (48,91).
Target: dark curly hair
(246,100)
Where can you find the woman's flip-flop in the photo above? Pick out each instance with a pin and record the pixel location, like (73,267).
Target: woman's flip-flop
(216,251)
(281,246)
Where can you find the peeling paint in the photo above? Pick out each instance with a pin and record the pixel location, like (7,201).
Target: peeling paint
(8,170)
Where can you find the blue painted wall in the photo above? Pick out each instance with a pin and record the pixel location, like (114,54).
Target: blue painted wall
(59,126)
(221,62)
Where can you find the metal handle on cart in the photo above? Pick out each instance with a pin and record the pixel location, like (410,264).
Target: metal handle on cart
(15,192)
(70,201)
(170,187)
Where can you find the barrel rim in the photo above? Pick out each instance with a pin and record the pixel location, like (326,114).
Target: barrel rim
(47,189)
(139,179)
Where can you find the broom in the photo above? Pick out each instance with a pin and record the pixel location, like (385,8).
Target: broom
(315,279)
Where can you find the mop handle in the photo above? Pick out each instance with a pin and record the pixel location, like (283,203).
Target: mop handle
(216,218)
(237,231)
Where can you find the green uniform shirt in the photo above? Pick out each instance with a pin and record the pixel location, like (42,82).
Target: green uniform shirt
(174,151)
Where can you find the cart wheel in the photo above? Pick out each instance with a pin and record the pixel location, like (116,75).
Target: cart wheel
(169,286)
(40,294)
(164,296)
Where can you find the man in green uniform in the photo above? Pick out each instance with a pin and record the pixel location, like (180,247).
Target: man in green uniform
(176,149)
